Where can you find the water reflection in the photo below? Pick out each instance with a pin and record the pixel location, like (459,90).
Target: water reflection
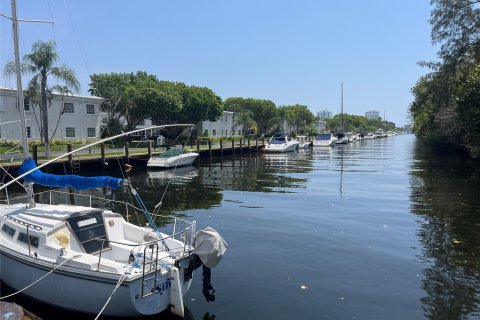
(445,193)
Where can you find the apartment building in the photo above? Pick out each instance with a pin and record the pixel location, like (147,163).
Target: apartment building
(69,117)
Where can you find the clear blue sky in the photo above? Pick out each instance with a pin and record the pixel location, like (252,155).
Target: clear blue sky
(286,51)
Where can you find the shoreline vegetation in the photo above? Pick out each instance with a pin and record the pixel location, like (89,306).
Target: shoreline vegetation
(446,106)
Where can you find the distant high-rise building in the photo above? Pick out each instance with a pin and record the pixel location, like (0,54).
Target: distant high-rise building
(372,114)
(324,114)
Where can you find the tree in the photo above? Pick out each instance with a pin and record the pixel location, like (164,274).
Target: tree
(130,98)
(456,27)
(262,111)
(299,118)
(41,62)
(199,104)
(245,120)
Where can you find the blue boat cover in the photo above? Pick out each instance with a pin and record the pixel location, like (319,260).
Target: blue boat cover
(66,181)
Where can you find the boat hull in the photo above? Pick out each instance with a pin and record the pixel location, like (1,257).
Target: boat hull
(85,292)
(278,148)
(171,162)
(323,143)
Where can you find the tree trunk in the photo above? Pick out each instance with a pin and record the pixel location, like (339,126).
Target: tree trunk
(45,115)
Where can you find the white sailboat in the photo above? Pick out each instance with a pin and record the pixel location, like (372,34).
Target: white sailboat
(341,136)
(91,259)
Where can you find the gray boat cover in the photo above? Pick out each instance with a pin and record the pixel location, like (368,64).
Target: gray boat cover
(209,246)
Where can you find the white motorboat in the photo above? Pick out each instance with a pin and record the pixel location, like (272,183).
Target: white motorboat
(303,143)
(281,142)
(174,157)
(341,138)
(369,135)
(90,259)
(324,140)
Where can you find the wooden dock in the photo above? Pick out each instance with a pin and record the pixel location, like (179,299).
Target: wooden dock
(104,158)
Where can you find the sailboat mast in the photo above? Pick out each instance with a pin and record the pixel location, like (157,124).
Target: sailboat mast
(341,105)
(20,100)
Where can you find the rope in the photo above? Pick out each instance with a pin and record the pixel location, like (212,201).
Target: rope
(120,280)
(6,171)
(10,295)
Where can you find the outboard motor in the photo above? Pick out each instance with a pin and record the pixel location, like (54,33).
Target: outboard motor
(209,248)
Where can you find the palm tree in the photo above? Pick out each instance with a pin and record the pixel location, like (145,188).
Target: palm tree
(41,62)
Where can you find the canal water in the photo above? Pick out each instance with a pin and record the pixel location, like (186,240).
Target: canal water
(379,229)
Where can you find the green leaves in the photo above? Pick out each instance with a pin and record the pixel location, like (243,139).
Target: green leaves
(139,96)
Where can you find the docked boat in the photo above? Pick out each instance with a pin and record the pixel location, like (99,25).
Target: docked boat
(341,138)
(174,157)
(324,140)
(90,258)
(303,143)
(370,135)
(281,142)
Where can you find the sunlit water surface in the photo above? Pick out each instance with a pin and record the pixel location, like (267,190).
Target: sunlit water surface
(379,229)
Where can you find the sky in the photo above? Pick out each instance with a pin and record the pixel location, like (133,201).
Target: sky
(289,52)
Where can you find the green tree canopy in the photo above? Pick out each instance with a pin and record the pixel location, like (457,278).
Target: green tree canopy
(261,111)
(446,104)
(358,124)
(299,118)
(131,98)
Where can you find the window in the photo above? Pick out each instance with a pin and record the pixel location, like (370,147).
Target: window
(8,230)
(104,120)
(29,132)
(214,132)
(206,133)
(68,107)
(90,230)
(90,109)
(22,237)
(239,132)
(26,104)
(70,132)
(91,133)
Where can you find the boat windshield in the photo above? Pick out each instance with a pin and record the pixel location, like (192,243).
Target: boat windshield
(324,136)
(171,153)
(277,140)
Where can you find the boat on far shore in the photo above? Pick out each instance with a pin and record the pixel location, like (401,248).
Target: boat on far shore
(324,140)
(303,143)
(174,157)
(281,142)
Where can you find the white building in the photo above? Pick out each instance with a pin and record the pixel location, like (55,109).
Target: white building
(81,119)
(372,114)
(321,126)
(78,121)
(325,114)
(223,127)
